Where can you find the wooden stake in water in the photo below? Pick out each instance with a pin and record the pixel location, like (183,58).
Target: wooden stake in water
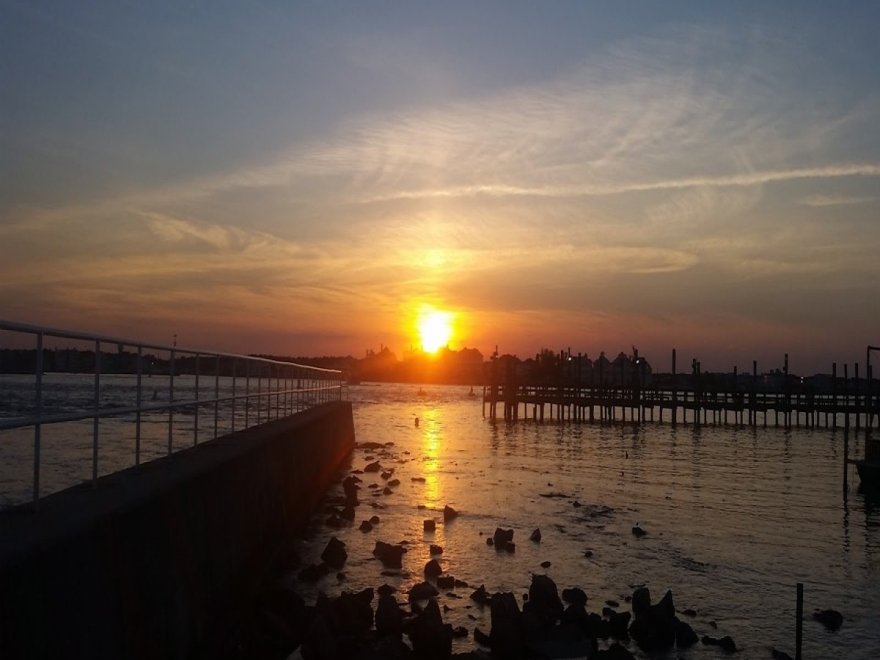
(800,621)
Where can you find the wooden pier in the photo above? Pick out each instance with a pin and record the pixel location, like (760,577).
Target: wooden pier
(678,398)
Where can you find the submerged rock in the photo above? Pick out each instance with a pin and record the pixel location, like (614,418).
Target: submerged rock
(831,619)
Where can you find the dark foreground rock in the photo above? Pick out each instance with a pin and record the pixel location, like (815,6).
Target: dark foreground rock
(334,554)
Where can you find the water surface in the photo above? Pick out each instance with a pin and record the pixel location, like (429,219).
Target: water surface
(735,518)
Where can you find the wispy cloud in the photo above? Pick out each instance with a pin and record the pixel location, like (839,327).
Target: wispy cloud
(836,200)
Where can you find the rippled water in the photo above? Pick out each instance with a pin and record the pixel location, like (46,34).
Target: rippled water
(735,518)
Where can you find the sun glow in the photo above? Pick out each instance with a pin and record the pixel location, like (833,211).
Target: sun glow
(435,329)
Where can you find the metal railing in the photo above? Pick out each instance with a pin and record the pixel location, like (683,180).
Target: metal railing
(240,390)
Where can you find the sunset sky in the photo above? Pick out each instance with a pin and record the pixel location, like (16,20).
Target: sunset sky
(304,178)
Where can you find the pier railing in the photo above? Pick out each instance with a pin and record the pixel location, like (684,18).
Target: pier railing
(194,393)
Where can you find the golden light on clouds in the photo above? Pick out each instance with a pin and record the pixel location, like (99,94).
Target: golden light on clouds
(434,327)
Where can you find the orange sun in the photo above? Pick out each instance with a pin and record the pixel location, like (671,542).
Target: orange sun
(435,329)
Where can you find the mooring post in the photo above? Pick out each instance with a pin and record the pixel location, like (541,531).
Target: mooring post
(833,397)
(753,412)
(845,457)
(846,396)
(799,621)
(674,390)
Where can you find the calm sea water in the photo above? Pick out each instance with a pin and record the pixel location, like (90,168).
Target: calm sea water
(735,518)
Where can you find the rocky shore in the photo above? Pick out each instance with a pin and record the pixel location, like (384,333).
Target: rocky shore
(387,621)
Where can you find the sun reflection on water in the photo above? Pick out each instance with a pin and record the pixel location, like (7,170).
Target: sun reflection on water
(431,442)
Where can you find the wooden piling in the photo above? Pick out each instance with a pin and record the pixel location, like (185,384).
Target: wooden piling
(799,622)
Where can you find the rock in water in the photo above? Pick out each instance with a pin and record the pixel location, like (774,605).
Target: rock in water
(502,537)
(481,596)
(449,513)
(389,555)
(389,617)
(536,536)
(615,652)
(429,525)
(422,591)
(431,638)
(349,485)
(334,554)
(575,596)
(725,642)
(685,637)
(619,625)
(654,625)
(543,601)
(433,569)
(831,619)
(506,636)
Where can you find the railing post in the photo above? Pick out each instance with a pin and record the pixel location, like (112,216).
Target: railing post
(247,391)
(38,425)
(217,397)
(171,404)
(139,400)
(234,361)
(97,413)
(196,414)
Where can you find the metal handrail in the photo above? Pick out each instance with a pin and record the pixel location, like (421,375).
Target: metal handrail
(290,387)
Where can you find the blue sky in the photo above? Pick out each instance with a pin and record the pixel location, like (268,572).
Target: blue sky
(303,177)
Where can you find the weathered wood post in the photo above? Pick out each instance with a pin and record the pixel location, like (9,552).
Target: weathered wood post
(799,621)
(857,405)
(846,396)
(674,390)
(833,397)
(753,402)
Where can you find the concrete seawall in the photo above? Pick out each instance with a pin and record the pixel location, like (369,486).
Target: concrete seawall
(140,566)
